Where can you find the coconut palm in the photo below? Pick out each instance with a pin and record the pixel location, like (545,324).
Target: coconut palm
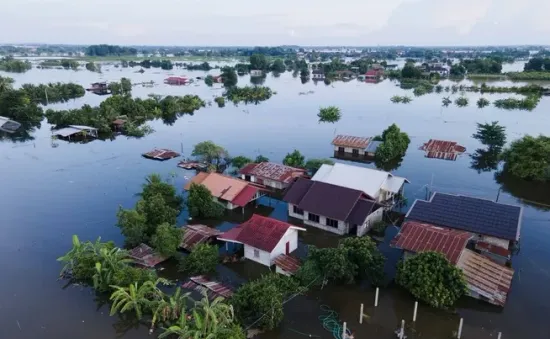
(170,307)
(136,297)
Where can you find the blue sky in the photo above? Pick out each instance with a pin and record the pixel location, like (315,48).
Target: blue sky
(298,22)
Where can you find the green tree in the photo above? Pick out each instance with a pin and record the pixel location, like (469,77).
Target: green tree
(528,158)
(482,102)
(411,72)
(363,254)
(229,76)
(166,239)
(136,297)
(278,66)
(491,134)
(258,61)
(201,204)
(79,262)
(210,153)
(294,159)
(170,307)
(313,165)
(6,84)
(156,212)
(431,278)
(155,185)
(209,80)
(461,102)
(202,260)
(240,161)
(220,101)
(126,85)
(329,114)
(261,158)
(109,262)
(394,144)
(133,226)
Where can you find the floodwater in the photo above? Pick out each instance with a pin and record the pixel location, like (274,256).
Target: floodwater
(50,193)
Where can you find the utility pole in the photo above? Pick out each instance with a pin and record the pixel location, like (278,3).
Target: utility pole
(498,193)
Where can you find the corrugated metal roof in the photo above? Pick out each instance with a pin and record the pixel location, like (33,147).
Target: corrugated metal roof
(373,146)
(442,149)
(296,192)
(245,196)
(489,248)
(420,237)
(145,256)
(197,234)
(287,263)
(161,154)
(485,277)
(470,214)
(362,209)
(221,186)
(67,131)
(350,141)
(217,288)
(273,171)
(259,232)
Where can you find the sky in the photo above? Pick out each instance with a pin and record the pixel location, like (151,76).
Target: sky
(273,23)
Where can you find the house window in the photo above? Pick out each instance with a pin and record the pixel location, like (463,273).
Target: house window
(332,223)
(298,210)
(355,152)
(256,253)
(247,178)
(341,149)
(313,217)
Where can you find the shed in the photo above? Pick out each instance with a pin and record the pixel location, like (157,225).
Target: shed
(73,130)
(197,234)
(145,256)
(286,264)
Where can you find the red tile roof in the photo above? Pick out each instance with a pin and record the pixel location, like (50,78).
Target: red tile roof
(485,277)
(273,171)
(197,234)
(259,232)
(350,141)
(287,263)
(420,237)
(245,196)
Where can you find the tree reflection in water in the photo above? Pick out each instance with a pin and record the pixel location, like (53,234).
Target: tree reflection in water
(532,193)
(390,165)
(485,160)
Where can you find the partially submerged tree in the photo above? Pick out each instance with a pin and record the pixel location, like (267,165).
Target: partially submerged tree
(482,102)
(229,76)
(201,204)
(313,165)
(294,159)
(240,161)
(166,239)
(329,114)
(202,260)
(210,153)
(430,277)
(461,102)
(261,158)
(528,158)
(394,144)
(137,298)
(491,134)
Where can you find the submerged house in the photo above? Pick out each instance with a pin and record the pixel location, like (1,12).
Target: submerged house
(380,186)
(76,131)
(8,125)
(176,81)
(332,208)
(99,88)
(228,191)
(317,74)
(442,149)
(374,74)
(271,174)
(354,148)
(264,239)
(494,227)
(256,73)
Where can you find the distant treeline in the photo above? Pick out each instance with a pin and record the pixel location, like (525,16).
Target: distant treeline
(9,64)
(65,63)
(53,92)
(109,50)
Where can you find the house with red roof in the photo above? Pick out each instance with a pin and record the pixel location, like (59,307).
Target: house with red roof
(264,239)
(333,208)
(271,174)
(228,191)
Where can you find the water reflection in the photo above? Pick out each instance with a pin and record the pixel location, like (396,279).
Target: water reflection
(390,165)
(533,193)
(485,160)
(257,80)
(23,134)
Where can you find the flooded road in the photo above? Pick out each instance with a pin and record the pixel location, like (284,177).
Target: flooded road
(50,193)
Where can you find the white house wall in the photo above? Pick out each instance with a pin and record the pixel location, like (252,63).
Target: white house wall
(369,221)
(266,182)
(291,236)
(342,226)
(263,258)
(350,150)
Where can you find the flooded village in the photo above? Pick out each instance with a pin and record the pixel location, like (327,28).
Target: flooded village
(321,194)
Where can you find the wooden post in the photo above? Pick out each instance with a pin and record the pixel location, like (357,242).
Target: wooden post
(361,314)
(376,298)
(402,333)
(344,334)
(460,328)
(415,310)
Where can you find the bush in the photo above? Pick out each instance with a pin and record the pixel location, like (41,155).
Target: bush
(528,158)
(430,277)
(201,203)
(166,239)
(203,259)
(394,144)
(329,114)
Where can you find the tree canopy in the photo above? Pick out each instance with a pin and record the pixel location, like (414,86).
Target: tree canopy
(229,76)
(491,134)
(166,239)
(211,153)
(411,71)
(201,204)
(528,158)
(394,144)
(294,159)
(329,114)
(240,161)
(109,50)
(431,278)
(313,165)
(202,260)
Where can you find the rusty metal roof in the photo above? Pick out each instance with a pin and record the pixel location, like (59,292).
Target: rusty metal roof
(273,171)
(288,263)
(200,282)
(145,256)
(350,141)
(485,277)
(422,237)
(197,234)
(161,154)
(493,249)
(442,149)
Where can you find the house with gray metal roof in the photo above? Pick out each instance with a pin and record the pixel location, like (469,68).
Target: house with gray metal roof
(332,208)
(494,226)
(378,185)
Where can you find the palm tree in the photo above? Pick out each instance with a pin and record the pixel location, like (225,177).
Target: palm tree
(136,297)
(181,329)
(170,308)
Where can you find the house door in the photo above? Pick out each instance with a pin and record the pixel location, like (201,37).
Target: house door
(287,250)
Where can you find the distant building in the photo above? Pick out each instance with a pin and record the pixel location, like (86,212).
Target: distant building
(317,74)
(354,147)
(256,73)
(374,74)
(176,81)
